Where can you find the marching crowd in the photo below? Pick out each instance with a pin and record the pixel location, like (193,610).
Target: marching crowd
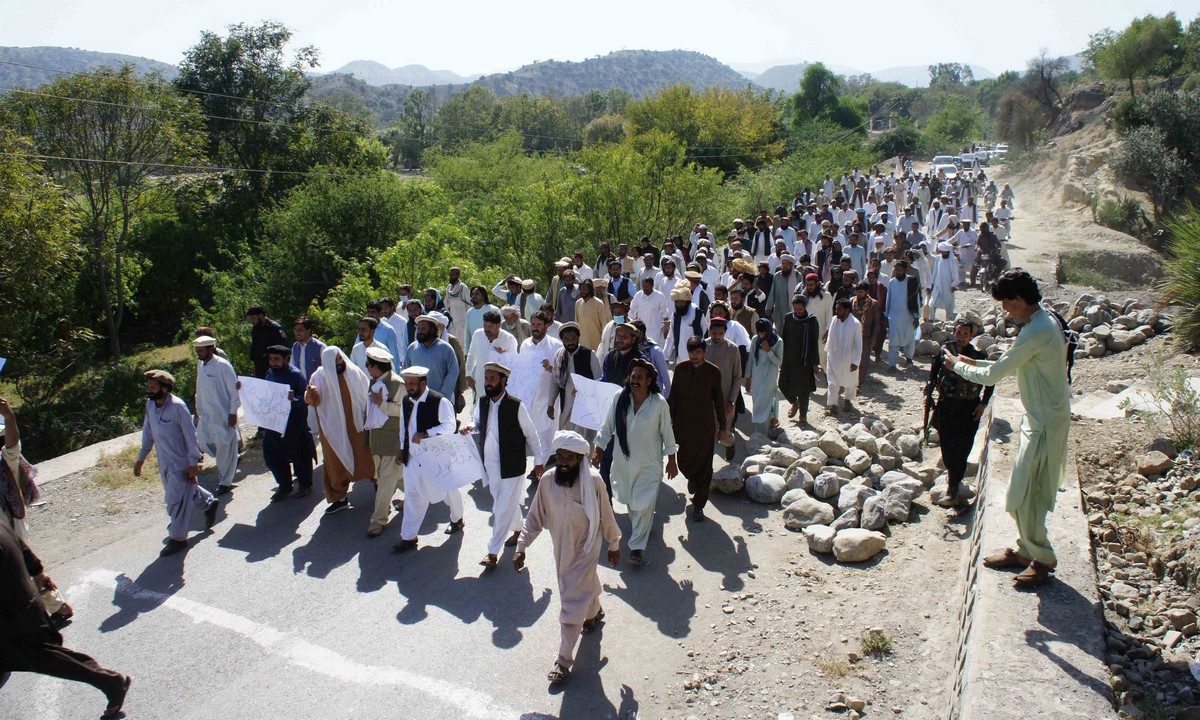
(695,331)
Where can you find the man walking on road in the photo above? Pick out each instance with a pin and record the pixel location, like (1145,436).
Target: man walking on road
(292,452)
(958,408)
(338,390)
(217,404)
(697,403)
(1039,360)
(168,429)
(264,333)
(572,504)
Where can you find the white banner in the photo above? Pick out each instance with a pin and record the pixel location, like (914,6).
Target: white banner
(592,401)
(265,404)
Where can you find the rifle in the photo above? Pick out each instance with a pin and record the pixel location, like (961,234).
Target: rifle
(925,426)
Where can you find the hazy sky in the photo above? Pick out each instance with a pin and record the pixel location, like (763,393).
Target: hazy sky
(472,36)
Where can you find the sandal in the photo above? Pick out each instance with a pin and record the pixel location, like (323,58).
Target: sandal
(589,626)
(558,675)
(792,411)
(1006,558)
(636,559)
(1036,574)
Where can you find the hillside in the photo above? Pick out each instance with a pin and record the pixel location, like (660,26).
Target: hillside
(378,74)
(68,59)
(786,78)
(640,72)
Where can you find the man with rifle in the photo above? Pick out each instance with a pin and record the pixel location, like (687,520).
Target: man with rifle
(958,409)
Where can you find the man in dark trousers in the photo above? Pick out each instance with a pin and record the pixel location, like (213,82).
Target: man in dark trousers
(958,409)
(292,452)
(697,403)
(28,643)
(264,333)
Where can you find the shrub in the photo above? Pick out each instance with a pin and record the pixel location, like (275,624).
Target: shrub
(901,141)
(1124,216)
(1145,160)
(1181,285)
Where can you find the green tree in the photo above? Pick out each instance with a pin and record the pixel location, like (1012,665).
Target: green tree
(114,134)
(38,261)
(818,96)
(1150,44)
(541,122)
(467,117)
(956,123)
(605,129)
(1146,160)
(1042,82)
(416,125)
(943,75)
(253,95)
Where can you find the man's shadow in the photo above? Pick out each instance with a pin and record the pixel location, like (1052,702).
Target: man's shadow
(161,579)
(276,526)
(583,694)
(338,537)
(1059,608)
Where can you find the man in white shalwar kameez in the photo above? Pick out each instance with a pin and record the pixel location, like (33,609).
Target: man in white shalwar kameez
(168,430)
(491,343)
(843,352)
(573,505)
(504,446)
(902,320)
(217,406)
(543,350)
(945,282)
(653,308)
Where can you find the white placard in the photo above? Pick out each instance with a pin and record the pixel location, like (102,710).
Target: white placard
(265,404)
(592,401)
(448,462)
(523,379)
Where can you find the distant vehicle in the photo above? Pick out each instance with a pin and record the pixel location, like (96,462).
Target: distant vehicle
(1001,151)
(967,160)
(983,157)
(945,165)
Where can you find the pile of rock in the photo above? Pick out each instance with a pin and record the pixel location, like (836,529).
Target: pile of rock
(997,333)
(1105,327)
(1146,530)
(840,487)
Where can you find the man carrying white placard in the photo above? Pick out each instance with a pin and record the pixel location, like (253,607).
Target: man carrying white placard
(383,434)
(506,431)
(424,413)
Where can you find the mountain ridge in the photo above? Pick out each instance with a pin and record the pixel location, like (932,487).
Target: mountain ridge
(57,60)
(377,74)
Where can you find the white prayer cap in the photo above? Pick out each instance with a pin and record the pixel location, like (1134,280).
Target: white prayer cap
(379,354)
(953,218)
(570,441)
(510,310)
(416,371)
(787,257)
(204,341)
(944,247)
(527,284)
(439,318)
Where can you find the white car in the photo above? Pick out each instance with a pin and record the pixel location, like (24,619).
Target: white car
(943,164)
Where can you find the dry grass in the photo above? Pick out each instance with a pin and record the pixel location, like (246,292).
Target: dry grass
(114,471)
(833,667)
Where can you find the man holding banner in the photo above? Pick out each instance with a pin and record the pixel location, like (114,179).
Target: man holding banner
(506,431)
(424,414)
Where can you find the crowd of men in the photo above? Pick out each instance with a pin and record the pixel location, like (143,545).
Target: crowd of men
(689,330)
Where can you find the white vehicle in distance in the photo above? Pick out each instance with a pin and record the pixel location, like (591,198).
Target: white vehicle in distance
(1000,152)
(943,164)
(968,160)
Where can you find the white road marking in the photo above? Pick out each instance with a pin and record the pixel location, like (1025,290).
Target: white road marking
(309,655)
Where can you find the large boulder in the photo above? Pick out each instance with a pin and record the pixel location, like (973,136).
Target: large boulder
(832,444)
(783,456)
(820,538)
(846,520)
(1153,463)
(927,347)
(826,485)
(910,446)
(897,503)
(812,465)
(797,476)
(801,439)
(765,488)
(792,496)
(845,473)
(867,443)
(888,449)
(816,453)
(858,460)
(858,545)
(925,473)
(874,513)
(754,464)
(807,511)
(852,497)
(894,476)
(728,480)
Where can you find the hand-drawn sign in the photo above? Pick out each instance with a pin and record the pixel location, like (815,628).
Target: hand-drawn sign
(448,462)
(592,402)
(264,403)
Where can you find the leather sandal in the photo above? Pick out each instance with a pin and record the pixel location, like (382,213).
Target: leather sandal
(1036,574)
(1006,558)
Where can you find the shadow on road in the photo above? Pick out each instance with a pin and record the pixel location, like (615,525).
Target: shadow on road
(163,578)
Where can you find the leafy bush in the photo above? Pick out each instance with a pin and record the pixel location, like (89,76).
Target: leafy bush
(1124,216)
(1145,160)
(903,140)
(1182,283)
(1177,402)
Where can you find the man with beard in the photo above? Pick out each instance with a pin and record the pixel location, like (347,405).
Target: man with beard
(338,390)
(542,349)
(639,426)
(216,413)
(506,431)
(406,332)
(514,324)
(479,307)
(820,305)
(783,286)
(869,315)
(958,409)
(264,333)
(620,287)
(740,312)
(168,430)
(458,300)
(568,294)
(727,356)
(697,406)
(424,413)
(797,375)
(383,424)
(436,355)
(575,509)
(570,358)
(293,451)
(490,344)
(945,282)
(653,308)
(591,314)
(843,348)
(649,349)
(686,321)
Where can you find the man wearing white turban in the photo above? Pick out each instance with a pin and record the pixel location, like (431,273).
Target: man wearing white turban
(573,505)
(945,282)
(338,390)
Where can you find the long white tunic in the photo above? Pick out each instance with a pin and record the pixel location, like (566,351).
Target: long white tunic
(546,350)
(843,349)
(483,351)
(216,399)
(945,279)
(652,309)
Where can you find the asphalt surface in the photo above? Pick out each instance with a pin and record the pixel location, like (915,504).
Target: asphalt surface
(280,611)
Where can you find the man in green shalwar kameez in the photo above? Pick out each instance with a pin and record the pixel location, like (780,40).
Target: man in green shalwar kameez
(1039,360)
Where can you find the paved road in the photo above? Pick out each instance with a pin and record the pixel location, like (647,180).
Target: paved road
(282,612)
